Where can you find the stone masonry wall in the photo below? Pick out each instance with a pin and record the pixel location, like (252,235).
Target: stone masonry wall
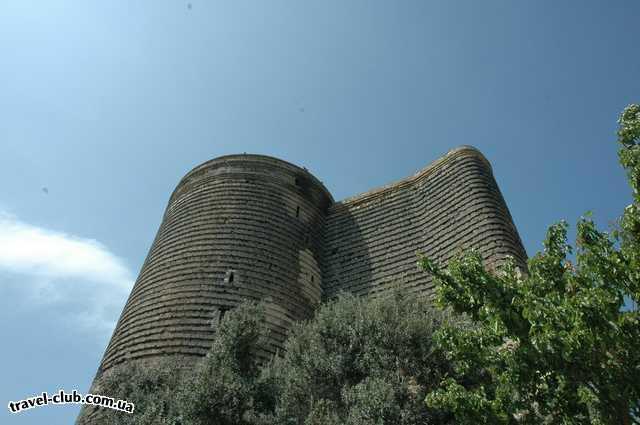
(238,227)
(371,240)
(255,227)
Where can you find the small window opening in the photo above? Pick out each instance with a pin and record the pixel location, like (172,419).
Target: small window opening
(223,311)
(298,211)
(230,277)
(313,278)
(297,181)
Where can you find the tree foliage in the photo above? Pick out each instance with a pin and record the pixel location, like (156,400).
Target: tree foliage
(151,387)
(357,362)
(553,344)
(225,387)
(362,362)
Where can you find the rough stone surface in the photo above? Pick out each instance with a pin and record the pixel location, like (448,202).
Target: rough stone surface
(255,227)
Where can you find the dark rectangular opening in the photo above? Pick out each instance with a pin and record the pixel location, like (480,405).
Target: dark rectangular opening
(297,211)
(223,311)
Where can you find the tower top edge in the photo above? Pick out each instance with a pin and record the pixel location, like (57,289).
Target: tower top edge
(462,150)
(253,158)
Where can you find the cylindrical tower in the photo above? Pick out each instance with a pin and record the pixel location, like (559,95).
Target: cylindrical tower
(254,227)
(236,227)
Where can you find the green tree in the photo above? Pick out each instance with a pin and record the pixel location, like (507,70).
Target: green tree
(361,361)
(552,344)
(358,361)
(226,387)
(149,386)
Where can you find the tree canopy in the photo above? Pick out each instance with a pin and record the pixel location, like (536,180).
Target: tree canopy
(551,344)
(356,362)
(362,361)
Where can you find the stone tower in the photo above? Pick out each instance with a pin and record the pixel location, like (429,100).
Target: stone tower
(255,227)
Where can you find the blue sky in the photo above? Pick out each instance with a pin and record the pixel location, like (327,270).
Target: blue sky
(107,104)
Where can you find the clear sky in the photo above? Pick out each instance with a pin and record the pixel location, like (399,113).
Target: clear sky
(105,105)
